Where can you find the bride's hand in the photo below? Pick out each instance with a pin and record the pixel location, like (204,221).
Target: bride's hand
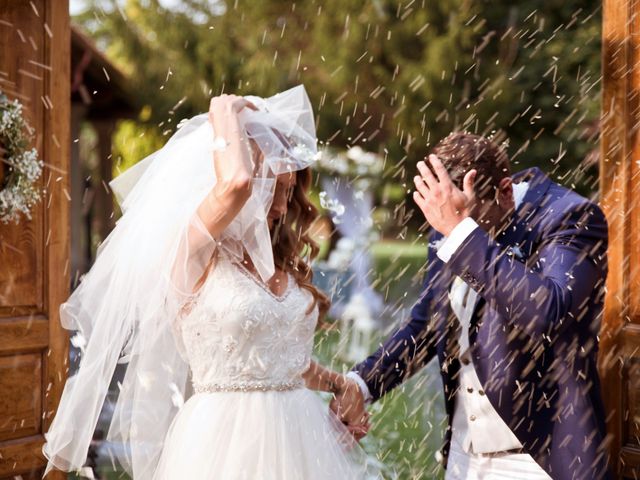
(232,144)
(233,156)
(233,164)
(349,406)
(224,106)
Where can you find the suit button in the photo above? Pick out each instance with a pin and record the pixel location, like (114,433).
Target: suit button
(481,392)
(469,389)
(472,418)
(465,359)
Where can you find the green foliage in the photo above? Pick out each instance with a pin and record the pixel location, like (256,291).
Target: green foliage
(390,75)
(132,142)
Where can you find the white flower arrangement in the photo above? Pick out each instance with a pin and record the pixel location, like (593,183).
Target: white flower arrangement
(19,192)
(354,162)
(341,256)
(333,206)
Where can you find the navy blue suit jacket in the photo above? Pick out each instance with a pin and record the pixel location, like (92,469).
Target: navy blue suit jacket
(533,335)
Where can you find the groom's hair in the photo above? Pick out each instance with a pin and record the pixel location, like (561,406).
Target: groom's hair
(461,152)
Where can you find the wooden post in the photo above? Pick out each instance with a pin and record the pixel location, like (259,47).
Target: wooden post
(103,220)
(619,361)
(80,200)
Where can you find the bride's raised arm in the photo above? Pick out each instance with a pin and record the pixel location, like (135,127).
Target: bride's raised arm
(233,165)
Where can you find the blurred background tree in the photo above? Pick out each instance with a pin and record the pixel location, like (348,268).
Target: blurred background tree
(391,76)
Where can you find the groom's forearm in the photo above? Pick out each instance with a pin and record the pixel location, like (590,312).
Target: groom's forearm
(409,349)
(411,346)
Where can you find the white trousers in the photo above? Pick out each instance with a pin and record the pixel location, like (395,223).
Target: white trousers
(509,466)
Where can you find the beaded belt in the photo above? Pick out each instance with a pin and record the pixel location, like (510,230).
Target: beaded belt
(249,386)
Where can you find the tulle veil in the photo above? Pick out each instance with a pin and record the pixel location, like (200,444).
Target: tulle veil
(126,307)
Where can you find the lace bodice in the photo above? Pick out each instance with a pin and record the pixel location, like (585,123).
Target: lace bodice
(240,335)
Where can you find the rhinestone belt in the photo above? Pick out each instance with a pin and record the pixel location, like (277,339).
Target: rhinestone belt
(249,386)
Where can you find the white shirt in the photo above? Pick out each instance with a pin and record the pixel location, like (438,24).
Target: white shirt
(476,426)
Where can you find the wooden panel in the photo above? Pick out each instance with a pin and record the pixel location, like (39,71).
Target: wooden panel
(632,206)
(21,403)
(630,441)
(629,460)
(24,456)
(24,334)
(619,361)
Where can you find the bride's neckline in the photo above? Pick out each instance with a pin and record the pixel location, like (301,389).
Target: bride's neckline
(264,286)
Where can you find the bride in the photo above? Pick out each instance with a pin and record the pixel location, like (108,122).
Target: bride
(204,289)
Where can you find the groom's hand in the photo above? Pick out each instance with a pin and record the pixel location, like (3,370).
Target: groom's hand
(443,204)
(349,406)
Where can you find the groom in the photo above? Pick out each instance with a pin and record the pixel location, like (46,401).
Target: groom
(511,307)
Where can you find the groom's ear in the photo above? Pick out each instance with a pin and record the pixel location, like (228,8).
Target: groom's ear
(504,195)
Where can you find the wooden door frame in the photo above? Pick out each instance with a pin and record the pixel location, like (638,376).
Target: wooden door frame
(620,196)
(57,246)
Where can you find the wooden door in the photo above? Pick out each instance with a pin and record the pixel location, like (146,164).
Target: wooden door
(34,276)
(620,188)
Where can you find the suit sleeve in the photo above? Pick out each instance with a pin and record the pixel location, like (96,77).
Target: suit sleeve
(407,350)
(556,292)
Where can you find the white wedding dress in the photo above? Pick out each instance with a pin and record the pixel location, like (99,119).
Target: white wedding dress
(251,416)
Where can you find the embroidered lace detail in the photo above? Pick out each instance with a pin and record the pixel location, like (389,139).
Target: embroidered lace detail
(239,334)
(265,287)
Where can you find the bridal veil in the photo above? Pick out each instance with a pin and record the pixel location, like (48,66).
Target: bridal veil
(125,307)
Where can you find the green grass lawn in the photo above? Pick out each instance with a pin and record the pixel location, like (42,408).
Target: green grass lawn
(399,268)
(408,424)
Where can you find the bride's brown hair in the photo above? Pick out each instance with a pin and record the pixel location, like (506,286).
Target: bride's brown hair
(293,247)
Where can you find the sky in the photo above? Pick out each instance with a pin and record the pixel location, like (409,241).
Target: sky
(77,6)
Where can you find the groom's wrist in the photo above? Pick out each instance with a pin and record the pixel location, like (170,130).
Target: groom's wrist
(362,385)
(456,237)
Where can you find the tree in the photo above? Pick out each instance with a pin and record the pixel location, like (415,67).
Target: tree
(392,76)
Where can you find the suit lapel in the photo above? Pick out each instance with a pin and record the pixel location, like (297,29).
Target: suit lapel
(514,238)
(444,321)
